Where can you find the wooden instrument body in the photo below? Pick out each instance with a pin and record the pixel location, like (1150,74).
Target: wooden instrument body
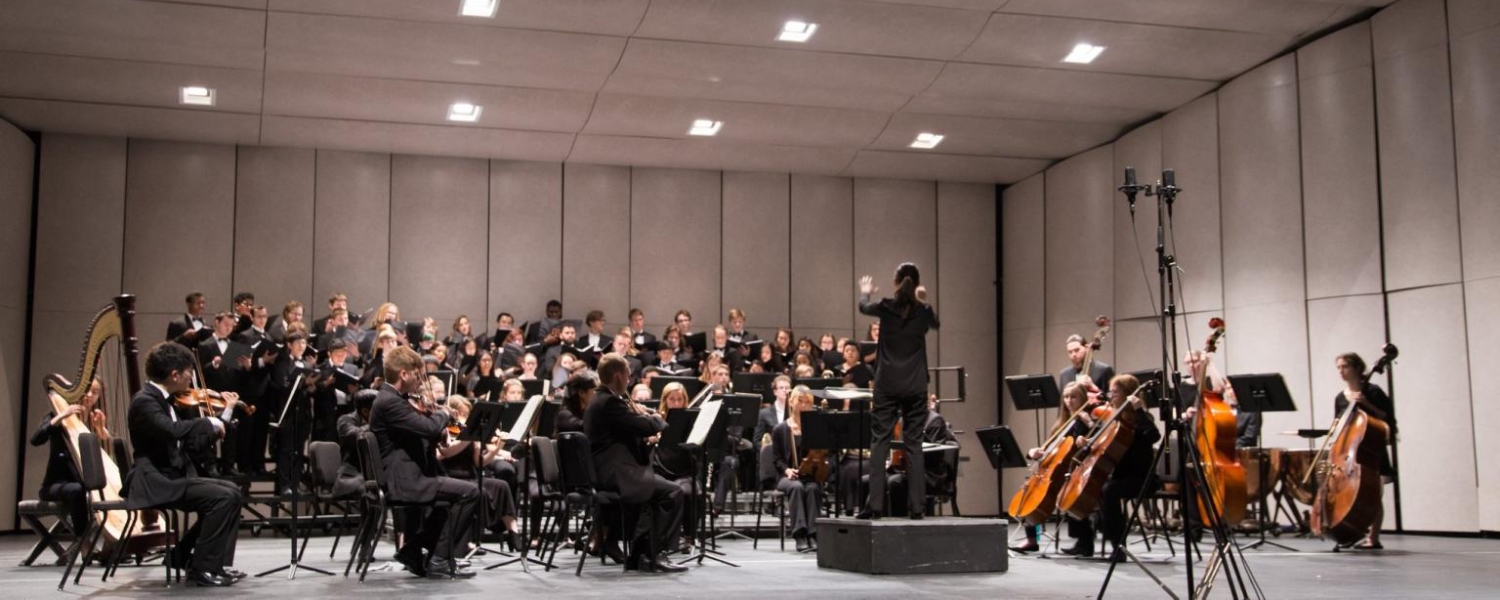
(1349,500)
(1080,495)
(1222,470)
(1295,477)
(1037,499)
(814,466)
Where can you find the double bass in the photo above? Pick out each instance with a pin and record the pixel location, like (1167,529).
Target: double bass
(1349,498)
(1214,437)
(1093,346)
(1108,444)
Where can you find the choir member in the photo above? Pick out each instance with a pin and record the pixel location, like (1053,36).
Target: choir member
(189,328)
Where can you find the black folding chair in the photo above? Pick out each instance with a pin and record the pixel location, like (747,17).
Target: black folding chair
(767,491)
(383,505)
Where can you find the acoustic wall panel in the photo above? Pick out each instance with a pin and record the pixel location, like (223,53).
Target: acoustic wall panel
(895,222)
(969,336)
(1434,410)
(1340,179)
(17,162)
(1270,338)
(352,227)
(80,229)
(757,260)
(1476,125)
(1262,187)
(1413,99)
(596,241)
(1022,263)
(525,240)
(1021,353)
(1080,236)
(676,234)
(1336,326)
(439,234)
(179,227)
(273,226)
(1135,254)
(823,290)
(1190,146)
(1481,299)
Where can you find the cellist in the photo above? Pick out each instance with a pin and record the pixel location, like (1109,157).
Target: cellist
(1374,401)
(1133,471)
(1074,397)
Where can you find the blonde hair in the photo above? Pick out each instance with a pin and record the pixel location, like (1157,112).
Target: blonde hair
(670,390)
(793,412)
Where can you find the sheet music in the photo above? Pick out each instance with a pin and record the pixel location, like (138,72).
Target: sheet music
(518,429)
(847,394)
(936,447)
(707,414)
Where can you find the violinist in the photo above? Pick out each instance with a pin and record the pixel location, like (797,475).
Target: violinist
(61,483)
(1099,373)
(1132,472)
(461,459)
(1374,401)
(163,478)
(805,497)
(408,429)
(1074,420)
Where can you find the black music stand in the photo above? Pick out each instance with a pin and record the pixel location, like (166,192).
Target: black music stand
(1150,393)
(743,411)
(484,419)
(692,384)
(511,415)
(1000,447)
(1034,393)
(295,564)
(677,432)
(818,433)
(756,383)
(819,383)
(1263,393)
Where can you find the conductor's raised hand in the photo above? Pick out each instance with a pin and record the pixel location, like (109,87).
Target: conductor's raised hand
(866,285)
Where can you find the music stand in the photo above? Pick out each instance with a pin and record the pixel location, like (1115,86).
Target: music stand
(1034,393)
(533,387)
(513,415)
(1262,393)
(1000,447)
(484,419)
(1151,394)
(742,411)
(692,384)
(819,383)
(755,383)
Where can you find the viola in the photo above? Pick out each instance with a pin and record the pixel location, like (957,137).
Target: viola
(1214,436)
(200,398)
(1349,498)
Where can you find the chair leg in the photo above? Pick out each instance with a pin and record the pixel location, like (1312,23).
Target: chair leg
(356,545)
(73,551)
(760,500)
(782,517)
(119,554)
(369,551)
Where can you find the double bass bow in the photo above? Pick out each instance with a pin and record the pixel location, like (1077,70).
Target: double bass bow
(1349,499)
(1215,431)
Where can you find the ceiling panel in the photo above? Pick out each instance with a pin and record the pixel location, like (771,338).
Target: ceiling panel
(1132,49)
(1283,17)
(84,118)
(622,115)
(1025,84)
(436,140)
(439,52)
(1014,138)
(776,76)
(942,167)
(984,5)
(705,154)
(249,4)
(932,103)
(51,77)
(858,27)
(137,30)
(606,17)
(405,101)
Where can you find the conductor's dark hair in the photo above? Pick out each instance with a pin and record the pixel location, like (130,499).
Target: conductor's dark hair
(167,358)
(907,280)
(1353,359)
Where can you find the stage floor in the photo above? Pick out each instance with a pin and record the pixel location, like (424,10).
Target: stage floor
(1410,567)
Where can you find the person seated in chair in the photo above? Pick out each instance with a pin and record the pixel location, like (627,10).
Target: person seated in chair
(803,496)
(61,483)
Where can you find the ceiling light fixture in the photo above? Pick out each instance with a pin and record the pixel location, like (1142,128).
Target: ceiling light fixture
(927,140)
(464,112)
(705,127)
(479,8)
(797,31)
(198,95)
(1084,54)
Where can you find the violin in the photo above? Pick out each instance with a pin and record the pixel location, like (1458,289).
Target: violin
(200,398)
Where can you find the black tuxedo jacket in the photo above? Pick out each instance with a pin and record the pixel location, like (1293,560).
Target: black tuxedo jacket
(764,423)
(228,377)
(176,329)
(1099,372)
(622,461)
(161,472)
(408,445)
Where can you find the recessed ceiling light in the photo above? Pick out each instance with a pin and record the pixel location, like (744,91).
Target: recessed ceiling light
(797,31)
(479,8)
(1084,54)
(197,94)
(464,112)
(705,127)
(927,140)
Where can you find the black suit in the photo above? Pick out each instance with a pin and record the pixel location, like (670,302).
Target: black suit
(900,391)
(622,463)
(1100,373)
(408,452)
(764,423)
(164,478)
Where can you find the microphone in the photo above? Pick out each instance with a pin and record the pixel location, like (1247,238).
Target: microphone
(1130,189)
(1168,178)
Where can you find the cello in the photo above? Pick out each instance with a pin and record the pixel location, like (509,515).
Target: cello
(1102,451)
(1214,436)
(1349,499)
(1037,499)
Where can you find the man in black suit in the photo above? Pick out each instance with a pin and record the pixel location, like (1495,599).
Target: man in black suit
(567,335)
(1100,373)
(254,383)
(185,330)
(226,363)
(163,477)
(408,427)
(617,430)
(639,336)
(335,302)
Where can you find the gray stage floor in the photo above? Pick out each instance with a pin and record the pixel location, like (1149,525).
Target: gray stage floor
(1410,567)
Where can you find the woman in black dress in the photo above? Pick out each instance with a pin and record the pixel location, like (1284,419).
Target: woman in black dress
(900,380)
(1374,401)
